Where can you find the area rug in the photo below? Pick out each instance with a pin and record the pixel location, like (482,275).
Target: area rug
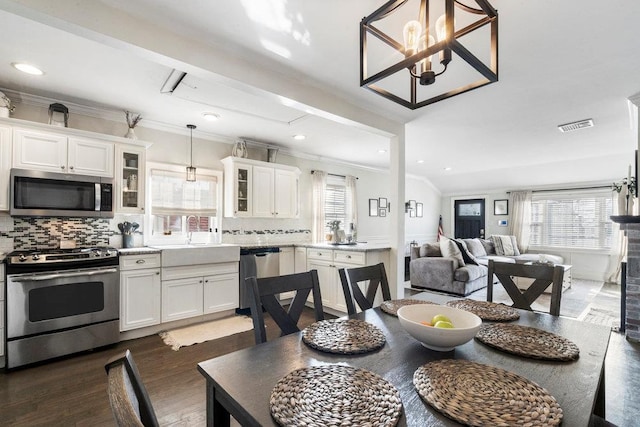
(201,332)
(601,316)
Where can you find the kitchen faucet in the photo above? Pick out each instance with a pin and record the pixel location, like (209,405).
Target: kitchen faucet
(189,233)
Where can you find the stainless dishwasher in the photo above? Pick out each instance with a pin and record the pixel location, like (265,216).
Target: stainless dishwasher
(258,262)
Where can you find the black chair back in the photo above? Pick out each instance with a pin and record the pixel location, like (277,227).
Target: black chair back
(264,294)
(377,278)
(129,399)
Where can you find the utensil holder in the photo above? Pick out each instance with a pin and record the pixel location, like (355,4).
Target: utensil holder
(127,240)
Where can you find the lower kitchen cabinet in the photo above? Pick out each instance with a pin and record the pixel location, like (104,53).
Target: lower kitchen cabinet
(140,291)
(328,262)
(181,298)
(194,290)
(2,328)
(221,293)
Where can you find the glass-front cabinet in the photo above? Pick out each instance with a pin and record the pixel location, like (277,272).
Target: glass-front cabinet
(242,203)
(130,179)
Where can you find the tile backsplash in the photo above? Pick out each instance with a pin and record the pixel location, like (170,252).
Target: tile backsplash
(265,236)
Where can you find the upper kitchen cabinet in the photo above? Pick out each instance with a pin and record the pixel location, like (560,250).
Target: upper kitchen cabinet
(130,179)
(54,152)
(260,189)
(5,166)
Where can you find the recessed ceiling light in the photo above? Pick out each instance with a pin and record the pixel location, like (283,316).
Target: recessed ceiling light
(381,151)
(211,117)
(27,68)
(447,168)
(420,161)
(299,137)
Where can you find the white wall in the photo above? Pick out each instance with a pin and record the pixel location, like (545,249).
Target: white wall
(423,229)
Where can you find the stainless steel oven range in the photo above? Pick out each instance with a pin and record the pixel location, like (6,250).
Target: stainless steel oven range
(60,301)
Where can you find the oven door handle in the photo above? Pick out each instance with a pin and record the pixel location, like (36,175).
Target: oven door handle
(39,278)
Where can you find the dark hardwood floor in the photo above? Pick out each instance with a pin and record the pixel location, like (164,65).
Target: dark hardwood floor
(72,390)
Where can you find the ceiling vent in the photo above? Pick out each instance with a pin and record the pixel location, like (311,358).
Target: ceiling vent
(582,124)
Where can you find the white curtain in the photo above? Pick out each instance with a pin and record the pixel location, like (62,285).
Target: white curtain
(352,203)
(618,247)
(520,202)
(318,183)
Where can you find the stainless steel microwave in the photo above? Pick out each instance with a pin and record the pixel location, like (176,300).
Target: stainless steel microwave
(38,193)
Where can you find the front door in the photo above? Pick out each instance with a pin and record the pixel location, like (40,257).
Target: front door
(469,219)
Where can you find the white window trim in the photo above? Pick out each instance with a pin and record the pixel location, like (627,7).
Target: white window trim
(149,239)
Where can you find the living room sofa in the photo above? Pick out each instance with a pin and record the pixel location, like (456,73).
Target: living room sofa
(459,266)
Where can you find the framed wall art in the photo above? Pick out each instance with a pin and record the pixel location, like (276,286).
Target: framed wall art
(501,207)
(373,207)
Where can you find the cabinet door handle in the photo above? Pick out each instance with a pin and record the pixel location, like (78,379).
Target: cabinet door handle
(140,261)
(349,256)
(206,281)
(62,167)
(157,273)
(71,167)
(200,281)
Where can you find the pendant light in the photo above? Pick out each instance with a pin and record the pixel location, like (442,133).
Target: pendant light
(191,171)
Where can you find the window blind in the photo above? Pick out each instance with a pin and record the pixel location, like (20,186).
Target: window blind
(171,194)
(335,204)
(572,220)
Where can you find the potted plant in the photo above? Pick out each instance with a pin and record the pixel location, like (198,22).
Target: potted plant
(334,226)
(6,106)
(132,122)
(626,190)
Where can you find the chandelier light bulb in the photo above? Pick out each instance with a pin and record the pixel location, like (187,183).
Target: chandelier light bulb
(425,42)
(441,27)
(411,34)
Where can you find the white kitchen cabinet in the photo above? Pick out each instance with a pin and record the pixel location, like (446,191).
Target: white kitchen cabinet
(260,189)
(55,152)
(140,291)
(286,262)
(130,178)
(182,298)
(300,255)
(328,262)
(2,328)
(193,290)
(221,293)
(5,166)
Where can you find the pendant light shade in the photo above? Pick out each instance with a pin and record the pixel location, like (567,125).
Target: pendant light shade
(191,171)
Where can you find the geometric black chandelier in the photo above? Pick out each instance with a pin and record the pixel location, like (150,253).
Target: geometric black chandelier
(431,45)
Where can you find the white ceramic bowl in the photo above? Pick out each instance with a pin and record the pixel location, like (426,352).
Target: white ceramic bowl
(465,324)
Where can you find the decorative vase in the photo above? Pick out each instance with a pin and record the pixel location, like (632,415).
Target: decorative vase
(622,201)
(131,134)
(336,236)
(240,149)
(4,112)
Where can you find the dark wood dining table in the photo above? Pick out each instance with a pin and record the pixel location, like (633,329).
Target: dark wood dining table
(240,383)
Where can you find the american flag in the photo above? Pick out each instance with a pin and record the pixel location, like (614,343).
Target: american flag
(440,230)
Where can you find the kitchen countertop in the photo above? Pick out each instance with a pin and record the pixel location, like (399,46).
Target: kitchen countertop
(138,251)
(358,247)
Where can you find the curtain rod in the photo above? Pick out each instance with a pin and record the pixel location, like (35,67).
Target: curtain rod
(333,174)
(595,187)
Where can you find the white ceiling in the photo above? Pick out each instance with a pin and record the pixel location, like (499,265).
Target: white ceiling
(559,62)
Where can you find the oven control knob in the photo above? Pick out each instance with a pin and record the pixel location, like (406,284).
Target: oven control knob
(35,257)
(22,258)
(107,253)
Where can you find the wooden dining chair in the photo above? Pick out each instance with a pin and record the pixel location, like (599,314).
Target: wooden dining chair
(352,277)
(264,293)
(544,276)
(129,400)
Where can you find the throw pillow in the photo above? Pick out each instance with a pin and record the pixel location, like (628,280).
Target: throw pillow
(488,246)
(466,255)
(450,250)
(430,249)
(475,247)
(505,245)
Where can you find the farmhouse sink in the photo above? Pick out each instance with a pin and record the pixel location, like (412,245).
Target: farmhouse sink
(194,253)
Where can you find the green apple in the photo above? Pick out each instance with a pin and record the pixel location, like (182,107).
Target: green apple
(443,324)
(438,317)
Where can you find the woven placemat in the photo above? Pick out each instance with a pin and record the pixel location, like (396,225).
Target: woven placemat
(528,342)
(486,310)
(343,336)
(391,307)
(335,395)
(480,395)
